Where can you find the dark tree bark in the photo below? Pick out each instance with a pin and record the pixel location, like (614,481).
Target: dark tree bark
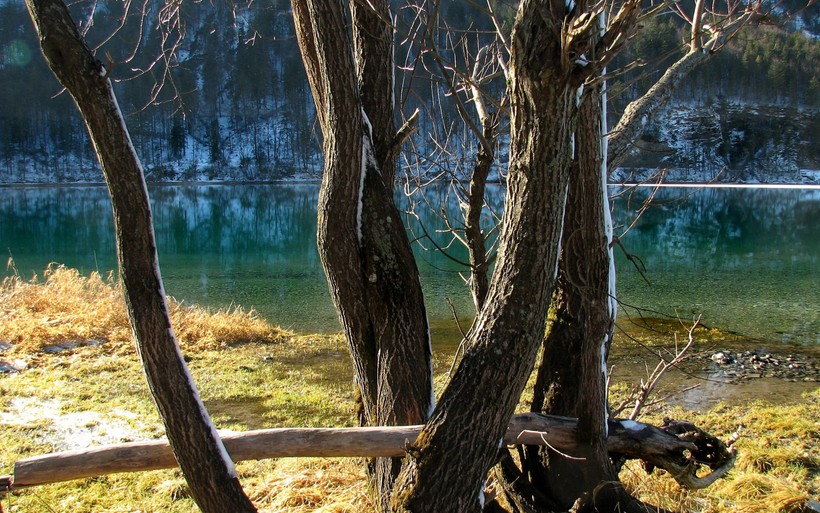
(367,258)
(373,58)
(196,445)
(447,467)
(571,377)
(473,231)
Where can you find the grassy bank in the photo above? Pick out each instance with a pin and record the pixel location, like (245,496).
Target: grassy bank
(78,383)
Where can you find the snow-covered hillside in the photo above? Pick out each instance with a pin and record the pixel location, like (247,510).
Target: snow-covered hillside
(729,143)
(237,107)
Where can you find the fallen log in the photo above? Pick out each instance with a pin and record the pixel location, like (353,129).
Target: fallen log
(626,438)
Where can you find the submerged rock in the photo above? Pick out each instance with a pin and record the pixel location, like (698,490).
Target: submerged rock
(763,364)
(722,358)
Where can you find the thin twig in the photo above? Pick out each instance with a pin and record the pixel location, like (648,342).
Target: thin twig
(641,392)
(455,316)
(547,444)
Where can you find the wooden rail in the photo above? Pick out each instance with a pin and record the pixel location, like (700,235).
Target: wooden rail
(628,438)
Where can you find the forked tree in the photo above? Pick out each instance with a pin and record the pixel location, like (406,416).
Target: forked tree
(446,468)
(570,380)
(373,279)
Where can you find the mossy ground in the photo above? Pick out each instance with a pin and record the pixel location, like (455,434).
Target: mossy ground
(252,375)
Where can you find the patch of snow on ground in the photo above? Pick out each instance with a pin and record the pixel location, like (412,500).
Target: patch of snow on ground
(9,366)
(73,430)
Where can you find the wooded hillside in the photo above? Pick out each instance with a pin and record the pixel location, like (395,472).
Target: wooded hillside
(235,104)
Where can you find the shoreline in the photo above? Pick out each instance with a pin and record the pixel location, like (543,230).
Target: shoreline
(317,182)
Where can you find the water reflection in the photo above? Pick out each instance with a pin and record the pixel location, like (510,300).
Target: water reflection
(745,258)
(71,225)
(721,229)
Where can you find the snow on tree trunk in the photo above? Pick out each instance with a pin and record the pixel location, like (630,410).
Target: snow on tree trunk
(372,275)
(571,378)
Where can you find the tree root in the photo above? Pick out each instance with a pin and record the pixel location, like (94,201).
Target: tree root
(685,452)
(709,451)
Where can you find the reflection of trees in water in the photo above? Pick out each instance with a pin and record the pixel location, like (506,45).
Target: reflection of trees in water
(273,223)
(237,222)
(736,224)
(444,223)
(255,245)
(245,220)
(56,221)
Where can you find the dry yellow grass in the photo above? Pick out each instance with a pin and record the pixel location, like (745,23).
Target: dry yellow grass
(64,307)
(203,328)
(61,307)
(778,469)
(314,485)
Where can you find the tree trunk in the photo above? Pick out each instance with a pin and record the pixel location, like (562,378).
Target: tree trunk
(447,466)
(473,231)
(631,439)
(196,445)
(373,57)
(571,377)
(367,258)
(580,328)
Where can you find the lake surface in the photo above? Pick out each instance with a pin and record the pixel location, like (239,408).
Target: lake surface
(747,259)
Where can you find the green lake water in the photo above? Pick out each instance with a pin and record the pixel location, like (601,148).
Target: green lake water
(745,258)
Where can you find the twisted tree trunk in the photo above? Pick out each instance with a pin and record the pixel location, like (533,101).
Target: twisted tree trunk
(571,376)
(373,278)
(447,466)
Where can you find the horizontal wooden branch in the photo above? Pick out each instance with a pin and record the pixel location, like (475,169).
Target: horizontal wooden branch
(628,438)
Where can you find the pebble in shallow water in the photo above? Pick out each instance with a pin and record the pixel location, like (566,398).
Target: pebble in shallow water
(759,364)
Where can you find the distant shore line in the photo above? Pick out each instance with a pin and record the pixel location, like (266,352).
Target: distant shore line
(812,184)
(722,185)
